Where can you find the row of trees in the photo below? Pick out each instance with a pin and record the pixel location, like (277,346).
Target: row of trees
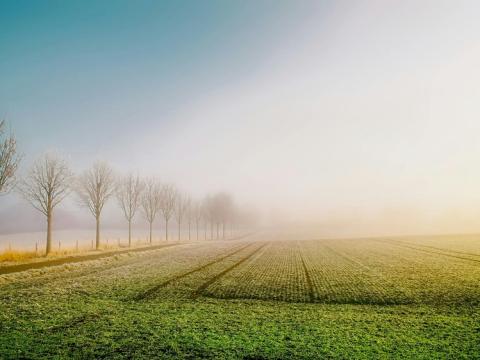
(50,180)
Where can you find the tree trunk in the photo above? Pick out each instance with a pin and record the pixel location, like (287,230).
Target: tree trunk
(217,230)
(150,232)
(189,237)
(166,230)
(179,224)
(211,230)
(97,237)
(223,230)
(197,229)
(205,231)
(49,233)
(129,233)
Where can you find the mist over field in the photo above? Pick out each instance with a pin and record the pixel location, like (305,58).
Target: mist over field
(250,179)
(350,118)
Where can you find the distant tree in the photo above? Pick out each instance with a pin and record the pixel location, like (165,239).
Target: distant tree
(209,209)
(189,214)
(181,208)
(206,216)
(9,160)
(219,208)
(168,200)
(129,190)
(95,187)
(151,202)
(45,186)
(198,215)
(225,208)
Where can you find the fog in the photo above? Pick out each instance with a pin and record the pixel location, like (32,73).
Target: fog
(356,119)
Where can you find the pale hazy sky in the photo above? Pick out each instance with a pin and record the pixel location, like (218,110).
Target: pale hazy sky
(363,114)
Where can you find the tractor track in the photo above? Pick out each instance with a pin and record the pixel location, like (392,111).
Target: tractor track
(311,294)
(437,248)
(149,292)
(199,291)
(440,252)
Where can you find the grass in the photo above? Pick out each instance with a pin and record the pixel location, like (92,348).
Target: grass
(17,255)
(230,300)
(22,256)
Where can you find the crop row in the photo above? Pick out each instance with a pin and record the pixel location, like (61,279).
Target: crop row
(340,278)
(192,283)
(424,276)
(121,277)
(363,271)
(275,274)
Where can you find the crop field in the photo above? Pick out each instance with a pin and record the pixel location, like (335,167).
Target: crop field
(256,297)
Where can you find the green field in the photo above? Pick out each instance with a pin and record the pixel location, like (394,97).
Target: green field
(255,298)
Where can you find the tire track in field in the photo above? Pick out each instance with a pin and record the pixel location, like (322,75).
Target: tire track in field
(392,242)
(348,258)
(311,295)
(215,278)
(149,292)
(380,277)
(436,248)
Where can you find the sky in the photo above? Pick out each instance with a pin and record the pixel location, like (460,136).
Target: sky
(357,117)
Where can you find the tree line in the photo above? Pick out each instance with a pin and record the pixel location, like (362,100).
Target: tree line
(50,181)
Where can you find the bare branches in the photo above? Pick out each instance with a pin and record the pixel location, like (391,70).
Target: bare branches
(151,199)
(182,205)
(168,199)
(167,204)
(198,211)
(95,187)
(182,208)
(129,190)
(219,210)
(9,160)
(47,183)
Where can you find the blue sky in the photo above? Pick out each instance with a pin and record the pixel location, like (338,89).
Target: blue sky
(345,112)
(70,66)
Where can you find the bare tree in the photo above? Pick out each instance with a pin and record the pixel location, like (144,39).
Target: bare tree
(95,187)
(129,190)
(206,222)
(189,215)
(151,202)
(45,186)
(168,199)
(9,160)
(219,208)
(225,208)
(181,208)
(206,215)
(209,213)
(198,215)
